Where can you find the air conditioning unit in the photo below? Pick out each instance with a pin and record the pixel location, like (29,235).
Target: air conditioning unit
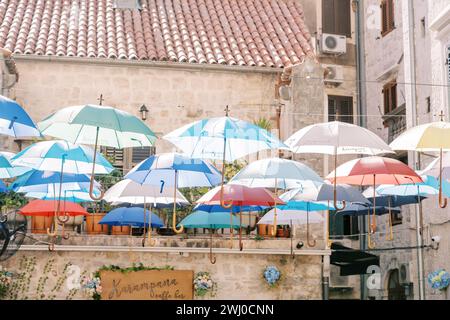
(333,44)
(334,74)
(128,4)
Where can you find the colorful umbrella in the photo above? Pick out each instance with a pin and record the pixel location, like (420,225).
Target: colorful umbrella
(71,196)
(289,216)
(210,220)
(322,195)
(238,195)
(277,173)
(434,136)
(134,216)
(374,171)
(61,156)
(15,121)
(7,170)
(174,170)
(336,138)
(128,191)
(98,125)
(222,138)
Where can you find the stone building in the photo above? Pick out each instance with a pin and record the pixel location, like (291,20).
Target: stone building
(292,62)
(406,84)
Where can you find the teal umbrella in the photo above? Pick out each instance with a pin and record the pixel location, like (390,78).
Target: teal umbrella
(97,125)
(210,220)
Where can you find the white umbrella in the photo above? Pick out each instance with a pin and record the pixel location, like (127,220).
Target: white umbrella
(335,138)
(433,169)
(278,174)
(434,136)
(288,217)
(128,191)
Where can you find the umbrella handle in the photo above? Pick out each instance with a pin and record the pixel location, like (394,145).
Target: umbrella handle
(64,235)
(442,200)
(55,230)
(51,247)
(311,243)
(370,244)
(390,236)
(335,204)
(212,258)
(336,207)
(274,227)
(3,218)
(224,204)
(174,216)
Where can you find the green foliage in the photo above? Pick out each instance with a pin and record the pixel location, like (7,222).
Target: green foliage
(263,123)
(259,237)
(232,168)
(135,267)
(12,200)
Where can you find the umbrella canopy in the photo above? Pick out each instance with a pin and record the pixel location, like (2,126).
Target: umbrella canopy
(385,200)
(71,196)
(240,196)
(49,182)
(374,170)
(209,138)
(210,220)
(324,193)
(277,173)
(15,121)
(218,208)
(47,208)
(128,191)
(159,170)
(83,124)
(419,189)
(433,169)
(291,216)
(7,170)
(434,136)
(58,154)
(337,138)
(3,187)
(357,209)
(133,216)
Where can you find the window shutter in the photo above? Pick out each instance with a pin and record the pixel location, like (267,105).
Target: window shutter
(141,153)
(328,17)
(342,17)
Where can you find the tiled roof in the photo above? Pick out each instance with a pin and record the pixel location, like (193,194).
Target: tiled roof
(269,33)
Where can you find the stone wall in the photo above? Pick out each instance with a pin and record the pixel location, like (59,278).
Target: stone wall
(238,276)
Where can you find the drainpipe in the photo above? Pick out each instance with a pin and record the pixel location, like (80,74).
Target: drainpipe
(410,77)
(358,6)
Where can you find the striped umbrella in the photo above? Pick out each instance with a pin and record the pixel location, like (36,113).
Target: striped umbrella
(15,121)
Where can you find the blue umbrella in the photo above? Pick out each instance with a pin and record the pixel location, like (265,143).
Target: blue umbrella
(387,200)
(175,170)
(15,121)
(3,187)
(49,181)
(71,196)
(7,170)
(131,216)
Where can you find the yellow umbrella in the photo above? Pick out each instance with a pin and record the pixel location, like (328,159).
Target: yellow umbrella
(434,136)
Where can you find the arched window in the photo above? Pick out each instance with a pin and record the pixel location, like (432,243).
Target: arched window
(395,290)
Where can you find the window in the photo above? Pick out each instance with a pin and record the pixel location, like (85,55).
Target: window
(115,156)
(343,225)
(340,108)
(336,17)
(387,16)
(141,153)
(396,218)
(390,97)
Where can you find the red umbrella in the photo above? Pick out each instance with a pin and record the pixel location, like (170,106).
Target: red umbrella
(239,195)
(46,208)
(374,171)
(49,208)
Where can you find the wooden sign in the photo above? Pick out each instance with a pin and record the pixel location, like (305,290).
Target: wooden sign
(148,285)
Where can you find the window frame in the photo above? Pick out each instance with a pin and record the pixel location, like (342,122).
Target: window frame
(387,17)
(389,94)
(337,19)
(337,116)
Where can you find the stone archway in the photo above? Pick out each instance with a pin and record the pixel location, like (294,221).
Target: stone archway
(395,289)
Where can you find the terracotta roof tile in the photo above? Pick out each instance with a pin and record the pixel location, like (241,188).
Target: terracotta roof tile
(264,33)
